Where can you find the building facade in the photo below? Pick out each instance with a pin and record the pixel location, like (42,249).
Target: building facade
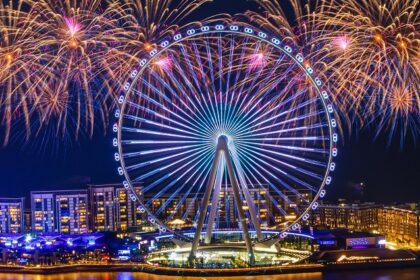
(112,209)
(356,217)
(128,214)
(63,212)
(400,225)
(42,208)
(102,207)
(72,212)
(12,215)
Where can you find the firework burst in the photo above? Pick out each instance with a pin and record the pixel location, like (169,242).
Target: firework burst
(140,23)
(371,50)
(22,71)
(77,91)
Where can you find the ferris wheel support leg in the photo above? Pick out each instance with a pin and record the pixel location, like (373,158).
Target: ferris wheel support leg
(215,200)
(238,202)
(204,205)
(249,200)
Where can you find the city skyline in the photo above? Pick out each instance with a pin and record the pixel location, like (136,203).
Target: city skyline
(388,173)
(209,137)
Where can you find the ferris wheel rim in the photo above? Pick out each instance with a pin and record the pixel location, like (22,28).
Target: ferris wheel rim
(243,30)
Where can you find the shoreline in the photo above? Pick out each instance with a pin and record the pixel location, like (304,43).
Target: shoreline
(208,272)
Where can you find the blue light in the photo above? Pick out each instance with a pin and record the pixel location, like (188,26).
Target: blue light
(280,133)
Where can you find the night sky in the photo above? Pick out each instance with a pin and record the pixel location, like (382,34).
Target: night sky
(388,174)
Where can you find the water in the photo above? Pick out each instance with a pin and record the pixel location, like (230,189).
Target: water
(385,274)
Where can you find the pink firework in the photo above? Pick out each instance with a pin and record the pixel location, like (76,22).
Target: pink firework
(72,25)
(164,63)
(342,42)
(257,60)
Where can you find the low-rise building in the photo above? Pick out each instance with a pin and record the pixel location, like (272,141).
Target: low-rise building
(11,215)
(357,217)
(62,211)
(400,225)
(112,208)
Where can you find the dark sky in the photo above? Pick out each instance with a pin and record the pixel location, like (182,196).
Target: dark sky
(388,173)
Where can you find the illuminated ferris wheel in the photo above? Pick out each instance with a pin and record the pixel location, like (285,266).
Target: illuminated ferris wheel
(225,127)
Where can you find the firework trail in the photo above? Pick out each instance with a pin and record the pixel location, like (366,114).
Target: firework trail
(63,62)
(77,96)
(21,70)
(295,22)
(140,23)
(371,49)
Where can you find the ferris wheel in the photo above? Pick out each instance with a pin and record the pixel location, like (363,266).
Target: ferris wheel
(225,126)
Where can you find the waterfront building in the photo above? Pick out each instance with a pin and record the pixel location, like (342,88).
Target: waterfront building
(400,225)
(11,215)
(272,215)
(102,207)
(28,220)
(42,208)
(357,217)
(128,215)
(112,208)
(72,212)
(62,211)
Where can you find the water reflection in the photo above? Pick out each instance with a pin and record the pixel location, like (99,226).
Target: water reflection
(391,274)
(144,276)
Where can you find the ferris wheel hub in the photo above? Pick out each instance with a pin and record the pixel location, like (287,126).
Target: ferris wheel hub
(223,140)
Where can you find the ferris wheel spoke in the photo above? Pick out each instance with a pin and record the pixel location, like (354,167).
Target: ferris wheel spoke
(253,117)
(157,170)
(290,167)
(206,98)
(198,86)
(284,113)
(251,168)
(150,162)
(289,120)
(166,109)
(169,120)
(196,194)
(186,78)
(206,168)
(277,107)
(203,160)
(235,94)
(288,147)
(250,148)
(167,176)
(202,117)
(280,131)
(173,93)
(153,132)
(257,159)
(275,139)
(302,159)
(169,101)
(162,150)
(260,189)
(262,89)
(213,81)
(157,124)
(159,142)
